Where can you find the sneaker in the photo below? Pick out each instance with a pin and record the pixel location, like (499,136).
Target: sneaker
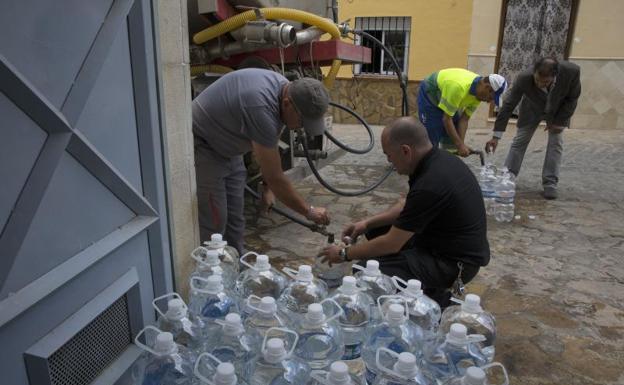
(550,192)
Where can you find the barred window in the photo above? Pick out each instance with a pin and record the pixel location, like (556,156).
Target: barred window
(394,33)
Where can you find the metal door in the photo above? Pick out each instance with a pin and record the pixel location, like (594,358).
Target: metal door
(84,244)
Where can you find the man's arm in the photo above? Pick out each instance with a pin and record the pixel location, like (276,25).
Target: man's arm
(567,108)
(452,132)
(271,168)
(462,126)
(389,243)
(502,118)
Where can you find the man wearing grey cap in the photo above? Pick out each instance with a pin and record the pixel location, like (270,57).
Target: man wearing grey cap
(244,111)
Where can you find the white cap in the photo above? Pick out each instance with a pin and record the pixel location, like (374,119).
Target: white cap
(406,365)
(338,374)
(164,343)
(395,314)
(262,263)
(214,284)
(225,375)
(414,288)
(372,268)
(474,376)
(212,258)
(472,304)
(457,335)
(498,84)
(275,351)
(349,285)
(315,314)
(176,309)
(267,305)
(305,273)
(232,326)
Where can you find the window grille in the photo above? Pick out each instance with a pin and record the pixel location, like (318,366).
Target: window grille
(393,32)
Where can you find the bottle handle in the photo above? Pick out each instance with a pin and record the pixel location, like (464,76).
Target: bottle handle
(494,364)
(243,259)
(384,368)
(144,346)
(212,367)
(195,287)
(396,280)
(457,301)
(287,331)
(389,296)
(358,267)
(196,254)
(255,298)
(338,313)
(472,338)
(292,273)
(320,376)
(173,295)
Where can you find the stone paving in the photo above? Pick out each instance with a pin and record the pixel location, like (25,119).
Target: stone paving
(556,279)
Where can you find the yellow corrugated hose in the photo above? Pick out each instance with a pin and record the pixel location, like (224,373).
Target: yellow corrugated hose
(216,68)
(239,20)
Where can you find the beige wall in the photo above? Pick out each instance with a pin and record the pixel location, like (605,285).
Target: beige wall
(485,25)
(599,31)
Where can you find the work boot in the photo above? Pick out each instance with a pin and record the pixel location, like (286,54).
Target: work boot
(550,192)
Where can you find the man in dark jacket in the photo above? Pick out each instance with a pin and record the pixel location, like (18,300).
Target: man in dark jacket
(549,92)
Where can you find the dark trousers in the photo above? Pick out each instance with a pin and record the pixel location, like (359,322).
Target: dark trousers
(436,274)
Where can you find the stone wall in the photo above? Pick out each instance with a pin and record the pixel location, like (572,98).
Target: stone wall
(377,100)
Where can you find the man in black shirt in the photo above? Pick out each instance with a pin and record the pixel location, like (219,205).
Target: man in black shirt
(438,232)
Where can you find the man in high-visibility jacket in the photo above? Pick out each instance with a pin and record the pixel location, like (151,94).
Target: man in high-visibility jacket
(448,98)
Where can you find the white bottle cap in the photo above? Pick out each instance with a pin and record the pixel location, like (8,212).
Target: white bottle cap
(214,284)
(348,285)
(474,376)
(305,273)
(396,313)
(406,365)
(457,335)
(216,241)
(275,351)
(267,305)
(315,314)
(164,343)
(176,309)
(233,325)
(472,304)
(372,268)
(262,263)
(339,374)
(225,374)
(414,288)
(212,258)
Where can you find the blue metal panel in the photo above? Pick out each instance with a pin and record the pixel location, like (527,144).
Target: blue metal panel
(21,142)
(49,40)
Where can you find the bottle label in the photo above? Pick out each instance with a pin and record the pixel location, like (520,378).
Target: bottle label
(352,351)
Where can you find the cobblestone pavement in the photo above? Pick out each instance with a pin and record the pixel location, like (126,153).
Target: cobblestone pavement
(556,279)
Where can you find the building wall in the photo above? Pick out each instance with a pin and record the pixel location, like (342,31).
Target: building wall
(176,94)
(439,38)
(598,48)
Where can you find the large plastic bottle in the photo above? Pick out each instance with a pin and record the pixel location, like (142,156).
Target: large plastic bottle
(338,374)
(372,280)
(404,371)
(478,321)
(477,376)
(457,353)
(227,254)
(320,337)
(302,291)
(208,263)
(224,373)
(505,193)
(277,365)
(233,344)
(260,279)
(395,332)
(487,180)
(209,300)
(265,315)
(164,363)
(423,311)
(186,330)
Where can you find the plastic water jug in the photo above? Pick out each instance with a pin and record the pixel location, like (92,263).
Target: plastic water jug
(223,373)
(227,254)
(264,316)
(231,343)
(477,376)
(260,279)
(303,290)
(208,263)
(423,311)
(210,300)
(338,374)
(404,371)
(320,337)
(186,330)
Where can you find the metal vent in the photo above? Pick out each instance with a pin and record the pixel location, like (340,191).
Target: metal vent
(92,349)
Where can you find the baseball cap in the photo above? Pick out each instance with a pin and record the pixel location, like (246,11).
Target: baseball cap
(311,99)
(498,84)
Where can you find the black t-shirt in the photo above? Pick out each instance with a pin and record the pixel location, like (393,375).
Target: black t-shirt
(444,208)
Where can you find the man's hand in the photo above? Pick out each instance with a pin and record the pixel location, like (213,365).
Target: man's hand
(330,255)
(318,215)
(490,145)
(267,201)
(354,230)
(463,150)
(554,128)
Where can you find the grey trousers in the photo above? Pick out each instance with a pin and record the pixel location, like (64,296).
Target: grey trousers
(220,195)
(552,160)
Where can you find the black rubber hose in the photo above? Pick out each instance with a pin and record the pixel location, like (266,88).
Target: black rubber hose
(311,225)
(325,184)
(369,130)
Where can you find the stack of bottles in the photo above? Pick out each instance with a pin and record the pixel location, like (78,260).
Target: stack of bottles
(499,192)
(258,327)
